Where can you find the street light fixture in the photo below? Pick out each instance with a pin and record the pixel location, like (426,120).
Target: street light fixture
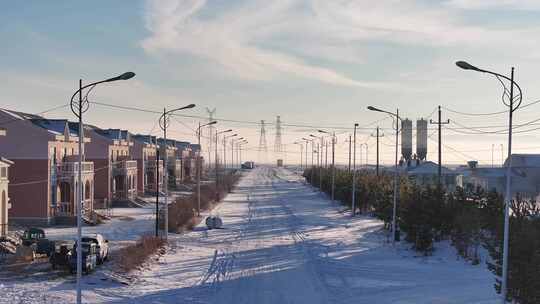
(233,141)
(224,150)
(354,173)
(301,152)
(164,124)
(508,196)
(309,140)
(216,162)
(240,144)
(319,157)
(333,134)
(394,211)
(79,108)
(199,165)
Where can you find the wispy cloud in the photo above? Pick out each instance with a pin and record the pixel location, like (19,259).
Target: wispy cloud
(266,40)
(232,39)
(496,4)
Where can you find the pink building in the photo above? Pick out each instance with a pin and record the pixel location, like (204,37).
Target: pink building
(43,176)
(174,164)
(4,187)
(144,152)
(184,154)
(115,170)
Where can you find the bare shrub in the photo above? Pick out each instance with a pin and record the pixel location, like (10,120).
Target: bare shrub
(133,256)
(182,212)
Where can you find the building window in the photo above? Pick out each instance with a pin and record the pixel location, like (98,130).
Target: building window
(3,172)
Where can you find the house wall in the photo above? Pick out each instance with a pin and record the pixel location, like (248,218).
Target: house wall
(102,177)
(29,185)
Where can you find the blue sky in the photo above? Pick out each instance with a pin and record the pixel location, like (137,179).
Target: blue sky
(313,62)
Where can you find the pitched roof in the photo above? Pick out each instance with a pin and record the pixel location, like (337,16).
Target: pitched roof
(429,167)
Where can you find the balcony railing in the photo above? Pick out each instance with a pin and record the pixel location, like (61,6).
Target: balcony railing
(73,167)
(63,209)
(3,229)
(124,166)
(151,163)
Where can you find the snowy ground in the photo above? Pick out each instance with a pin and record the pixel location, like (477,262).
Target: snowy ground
(282,242)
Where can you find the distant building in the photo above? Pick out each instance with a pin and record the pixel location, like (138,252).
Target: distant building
(427,174)
(44,174)
(115,170)
(183,153)
(144,151)
(525,177)
(174,163)
(195,157)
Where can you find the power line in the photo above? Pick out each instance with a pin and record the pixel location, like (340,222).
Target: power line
(489,114)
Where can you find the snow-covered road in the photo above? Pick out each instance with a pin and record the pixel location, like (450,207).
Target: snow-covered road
(283,242)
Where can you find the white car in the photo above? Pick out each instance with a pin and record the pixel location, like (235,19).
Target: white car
(102,245)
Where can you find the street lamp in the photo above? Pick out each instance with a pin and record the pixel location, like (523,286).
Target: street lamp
(225,148)
(309,140)
(163,124)
(319,157)
(233,141)
(78,108)
(398,119)
(333,134)
(366,145)
(354,173)
(301,152)
(240,144)
(508,197)
(216,162)
(199,165)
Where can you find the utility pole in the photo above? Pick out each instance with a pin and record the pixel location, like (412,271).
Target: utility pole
(377,135)
(157,191)
(440,123)
(326,154)
(333,164)
(354,173)
(349,170)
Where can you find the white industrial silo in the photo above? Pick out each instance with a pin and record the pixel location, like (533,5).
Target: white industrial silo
(421,139)
(406,139)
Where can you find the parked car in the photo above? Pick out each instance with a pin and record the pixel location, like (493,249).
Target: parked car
(102,246)
(61,255)
(35,238)
(89,258)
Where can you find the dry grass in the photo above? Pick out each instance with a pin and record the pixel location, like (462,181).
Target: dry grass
(182,213)
(133,256)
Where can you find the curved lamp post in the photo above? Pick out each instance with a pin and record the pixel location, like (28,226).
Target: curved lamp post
(199,165)
(319,157)
(394,211)
(301,152)
(234,141)
(354,173)
(216,162)
(312,149)
(78,107)
(240,144)
(508,196)
(225,149)
(163,124)
(333,134)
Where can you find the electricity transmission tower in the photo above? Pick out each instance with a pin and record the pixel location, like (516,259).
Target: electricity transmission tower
(263,148)
(210,134)
(278,148)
